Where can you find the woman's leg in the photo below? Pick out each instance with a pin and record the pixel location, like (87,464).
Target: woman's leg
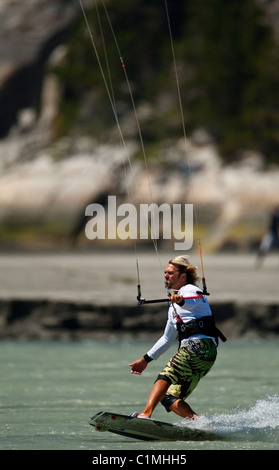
(182,409)
(156,395)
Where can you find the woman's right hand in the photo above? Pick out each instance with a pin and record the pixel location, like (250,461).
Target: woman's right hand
(138,366)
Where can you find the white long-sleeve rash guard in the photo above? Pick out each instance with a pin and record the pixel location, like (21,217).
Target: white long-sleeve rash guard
(192,309)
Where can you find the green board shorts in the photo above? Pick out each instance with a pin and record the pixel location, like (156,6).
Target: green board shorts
(188,366)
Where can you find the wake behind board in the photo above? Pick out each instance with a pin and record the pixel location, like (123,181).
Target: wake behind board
(145,429)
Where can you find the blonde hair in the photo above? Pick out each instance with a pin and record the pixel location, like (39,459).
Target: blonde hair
(184,266)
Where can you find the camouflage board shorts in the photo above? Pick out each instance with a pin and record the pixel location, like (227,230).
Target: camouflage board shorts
(190,364)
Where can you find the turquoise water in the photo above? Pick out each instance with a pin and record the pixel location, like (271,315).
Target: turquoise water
(50,390)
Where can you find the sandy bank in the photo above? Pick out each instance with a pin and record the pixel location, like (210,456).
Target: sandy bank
(80,295)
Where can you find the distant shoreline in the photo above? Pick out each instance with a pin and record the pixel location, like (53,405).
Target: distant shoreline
(48,320)
(75,295)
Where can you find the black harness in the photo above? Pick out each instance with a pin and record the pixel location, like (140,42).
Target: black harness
(204,325)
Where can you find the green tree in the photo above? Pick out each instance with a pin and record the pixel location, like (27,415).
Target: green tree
(236,68)
(228,66)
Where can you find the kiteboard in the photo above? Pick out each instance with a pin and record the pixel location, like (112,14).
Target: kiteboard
(146,429)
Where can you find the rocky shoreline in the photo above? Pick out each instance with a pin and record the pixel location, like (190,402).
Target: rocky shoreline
(93,295)
(44,320)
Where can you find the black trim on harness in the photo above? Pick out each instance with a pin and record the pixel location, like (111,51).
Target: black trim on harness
(204,325)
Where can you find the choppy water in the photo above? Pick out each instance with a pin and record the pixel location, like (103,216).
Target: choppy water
(50,390)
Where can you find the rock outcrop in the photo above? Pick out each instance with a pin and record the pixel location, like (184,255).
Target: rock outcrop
(46,182)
